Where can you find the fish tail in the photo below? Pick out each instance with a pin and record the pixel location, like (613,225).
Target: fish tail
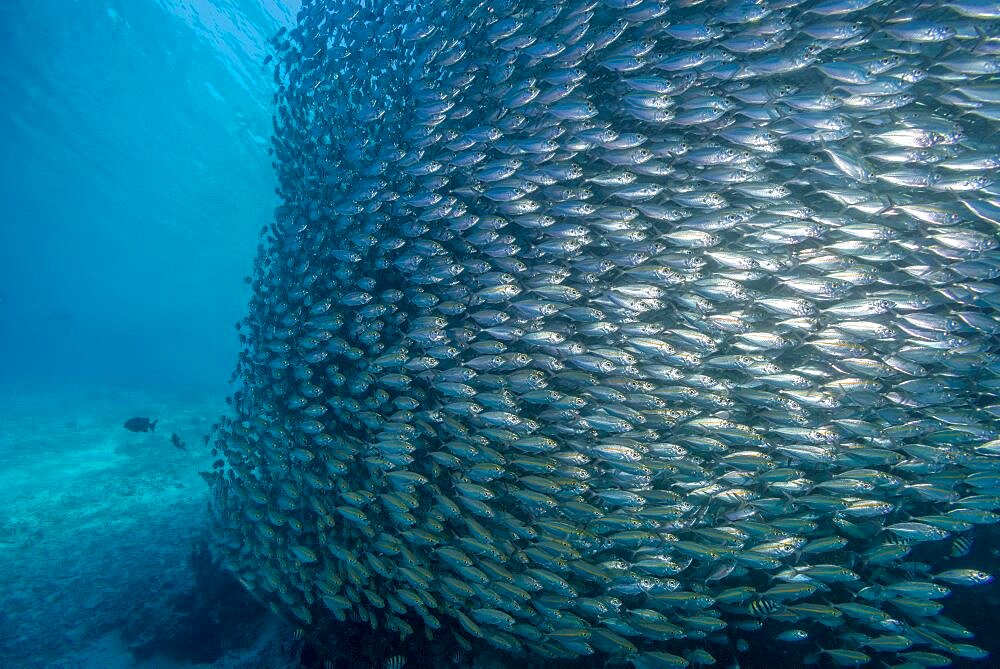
(152,425)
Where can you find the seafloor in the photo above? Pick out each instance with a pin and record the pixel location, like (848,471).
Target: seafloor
(104,561)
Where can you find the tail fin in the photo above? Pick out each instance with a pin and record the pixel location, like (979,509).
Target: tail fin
(152,425)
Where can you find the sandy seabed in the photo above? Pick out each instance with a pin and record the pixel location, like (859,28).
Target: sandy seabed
(101,537)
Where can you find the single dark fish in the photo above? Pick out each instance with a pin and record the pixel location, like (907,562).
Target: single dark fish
(140,424)
(178,442)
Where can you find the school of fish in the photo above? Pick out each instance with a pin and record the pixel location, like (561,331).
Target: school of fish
(625,327)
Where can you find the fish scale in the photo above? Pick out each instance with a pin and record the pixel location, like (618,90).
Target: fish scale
(554,239)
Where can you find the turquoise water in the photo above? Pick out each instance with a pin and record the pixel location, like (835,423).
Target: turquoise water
(134,181)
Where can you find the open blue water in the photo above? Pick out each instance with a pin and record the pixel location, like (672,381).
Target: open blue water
(134,180)
(134,183)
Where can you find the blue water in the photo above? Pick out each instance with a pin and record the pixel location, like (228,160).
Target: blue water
(134,181)
(133,185)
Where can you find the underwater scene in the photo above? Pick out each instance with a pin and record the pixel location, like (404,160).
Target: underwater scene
(499,333)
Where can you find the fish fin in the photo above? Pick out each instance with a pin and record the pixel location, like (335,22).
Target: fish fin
(892,208)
